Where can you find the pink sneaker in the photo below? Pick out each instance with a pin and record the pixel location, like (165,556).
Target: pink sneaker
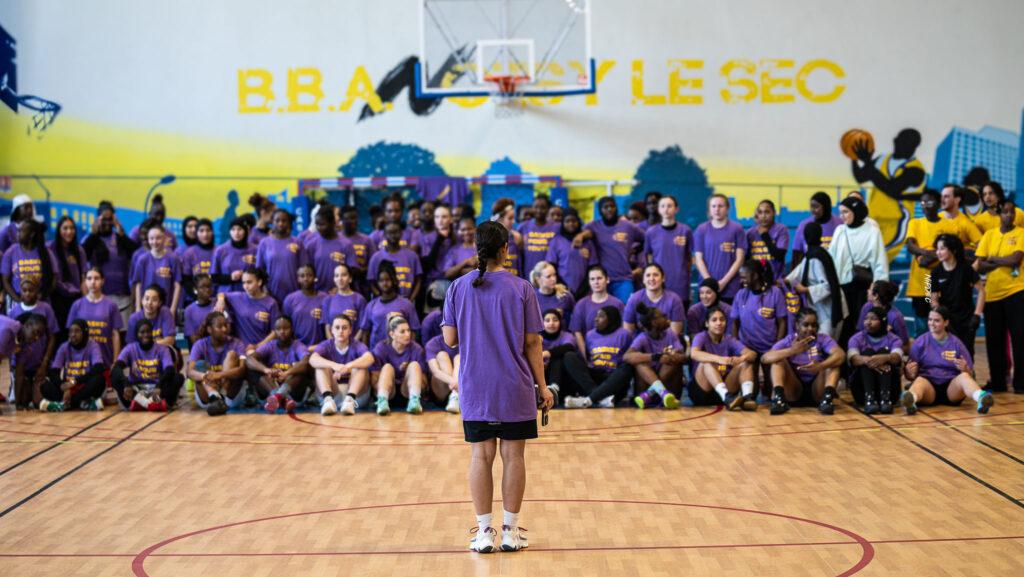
(272,404)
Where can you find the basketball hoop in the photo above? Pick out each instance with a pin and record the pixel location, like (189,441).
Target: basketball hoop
(508,96)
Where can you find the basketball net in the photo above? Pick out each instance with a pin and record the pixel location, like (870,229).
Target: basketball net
(508,95)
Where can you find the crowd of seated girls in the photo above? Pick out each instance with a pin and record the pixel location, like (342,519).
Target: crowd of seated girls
(351,321)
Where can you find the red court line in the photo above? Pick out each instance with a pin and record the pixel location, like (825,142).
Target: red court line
(61,435)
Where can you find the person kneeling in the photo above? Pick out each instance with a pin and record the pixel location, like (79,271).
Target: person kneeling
(723,366)
(940,369)
(152,383)
(76,378)
(279,368)
(805,367)
(876,355)
(217,365)
(399,360)
(341,361)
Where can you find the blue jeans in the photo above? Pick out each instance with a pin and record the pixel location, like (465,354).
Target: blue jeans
(621,289)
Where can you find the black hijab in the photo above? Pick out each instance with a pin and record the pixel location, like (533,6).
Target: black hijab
(812,236)
(826,203)
(614,320)
(859,210)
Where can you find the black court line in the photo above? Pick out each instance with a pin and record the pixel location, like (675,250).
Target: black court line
(955,467)
(40,490)
(1002,452)
(55,445)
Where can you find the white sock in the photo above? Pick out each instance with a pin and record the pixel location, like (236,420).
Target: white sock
(976,396)
(658,387)
(747,388)
(913,394)
(483,521)
(721,390)
(511,519)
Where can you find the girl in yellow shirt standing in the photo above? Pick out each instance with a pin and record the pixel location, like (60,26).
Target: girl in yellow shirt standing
(999,257)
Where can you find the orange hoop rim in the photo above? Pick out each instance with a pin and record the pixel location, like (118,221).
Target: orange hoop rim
(507,83)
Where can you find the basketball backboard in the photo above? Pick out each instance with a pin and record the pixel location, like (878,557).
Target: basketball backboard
(466,44)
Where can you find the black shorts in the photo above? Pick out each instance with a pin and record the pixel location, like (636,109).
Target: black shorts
(477,431)
(942,395)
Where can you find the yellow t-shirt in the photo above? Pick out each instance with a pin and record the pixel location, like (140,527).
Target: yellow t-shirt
(986,221)
(1003,281)
(925,233)
(966,229)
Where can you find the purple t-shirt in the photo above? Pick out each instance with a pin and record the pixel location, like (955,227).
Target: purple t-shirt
(197,260)
(536,241)
(604,352)
(407,266)
(281,258)
(257,234)
(572,263)
(759,250)
(32,355)
(586,310)
(670,304)
(115,269)
(936,361)
(204,350)
(729,347)
(437,345)
(385,354)
(410,237)
(794,302)
(326,254)
(252,319)
(163,272)
(719,246)
(227,259)
(103,319)
(427,240)
(329,351)
(671,248)
(77,362)
(170,241)
(458,254)
(19,263)
(339,304)
(144,367)
(698,313)
(275,356)
(862,341)
(9,329)
(492,320)
(163,325)
(431,326)
(894,318)
(614,245)
(363,247)
(306,313)
(818,351)
(378,313)
(195,314)
(563,338)
(76,268)
(565,304)
(643,343)
(757,314)
(9,236)
(827,230)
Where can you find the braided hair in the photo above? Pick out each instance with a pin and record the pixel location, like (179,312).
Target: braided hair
(491,237)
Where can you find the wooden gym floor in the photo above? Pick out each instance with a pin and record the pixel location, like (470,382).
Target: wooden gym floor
(610,492)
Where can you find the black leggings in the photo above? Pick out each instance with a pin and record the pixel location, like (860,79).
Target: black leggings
(1004,316)
(596,383)
(865,379)
(92,383)
(169,384)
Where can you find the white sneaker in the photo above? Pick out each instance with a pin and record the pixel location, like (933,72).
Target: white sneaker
(607,402)
(348,406)
(483,542)
(578,402)
(453,403)
(328,407)
(513,539)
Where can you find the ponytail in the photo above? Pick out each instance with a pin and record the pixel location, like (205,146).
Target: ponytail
(491,237)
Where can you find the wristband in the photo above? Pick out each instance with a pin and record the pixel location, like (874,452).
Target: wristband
(656,357)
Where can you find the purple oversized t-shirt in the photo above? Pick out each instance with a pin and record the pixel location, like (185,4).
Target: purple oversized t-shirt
(437,345)
(363,247)
(163,325)
(328,350)
(819,350)
(827,230)
(604,352)
(326,254)
(407,266)
(351,305)
(572,263)
(672,249)
(719,246)
(759,250)
(565,304)
(729,347)
(197,260)
(32,355)
(275,356)
(410,237)
(77,362)
(586,310)
(116,268)
(385,354)
(563,338)
(670,304)
(937,361)
(144,367)
(757,314)
(536,240)
(252,319)
(103,318)
(281,258)
(643,343)
(195,314)
(306,313)
(162,271)
(378,313)
(492,320)
(431,326)
(614,245)
(228,259)
(204,350)
(698,314)
(456,255)
(894,318)
(19,263)
(862,341)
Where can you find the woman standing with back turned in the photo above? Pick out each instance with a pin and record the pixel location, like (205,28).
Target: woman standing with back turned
(494,319)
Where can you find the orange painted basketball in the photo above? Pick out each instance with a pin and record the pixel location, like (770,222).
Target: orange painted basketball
(853,136)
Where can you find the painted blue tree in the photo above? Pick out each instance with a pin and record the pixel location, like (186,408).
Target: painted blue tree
(384,159)
(673,173)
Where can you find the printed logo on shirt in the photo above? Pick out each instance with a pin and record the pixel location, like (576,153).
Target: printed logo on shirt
(202,267)
(29,267)
(76,368)
(538,241)
(728,247)
(722,369)
(792,302)
(337,256)
(825,241)
(813,353)
(1011,240)
(262,316)
(679,240)
(620,237)
(249,259)
(759,251)
(147,369)
(585,253)
(281,366)
(949,355)
(316,313)
(766,312)
(360,250)
(163,272)
(404,277)
(293,247)
(97,331)
(604,357)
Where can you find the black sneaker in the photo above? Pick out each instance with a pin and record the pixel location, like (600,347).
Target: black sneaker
(885,401)
(734,402)
(871,405)
(750,402)
(778,405)
(825,407)
(217,407)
